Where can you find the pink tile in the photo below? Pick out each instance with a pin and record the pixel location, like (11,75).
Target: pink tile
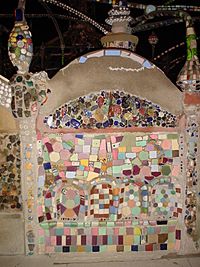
(53,240)
(115,154)
(45,140)
(176,170)
(62,174)
(95,231)
(39,211)
(49,249)
(66,231)
(84,156)
(177,245)
(145,171)
(65,154)
(113,139)
(67,163)
(41,232)
(67,137)
(116,231)
(166,144)
(136,149)
(39,136)
(153,136)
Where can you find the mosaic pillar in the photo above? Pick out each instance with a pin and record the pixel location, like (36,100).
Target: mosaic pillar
(29,181)
(192,191)
(28,93)
(188,80)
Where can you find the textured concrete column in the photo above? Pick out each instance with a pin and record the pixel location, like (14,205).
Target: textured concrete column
(191,239)
(29,181)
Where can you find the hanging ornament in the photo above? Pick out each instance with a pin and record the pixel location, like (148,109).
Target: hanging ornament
(20,46)
(153,40)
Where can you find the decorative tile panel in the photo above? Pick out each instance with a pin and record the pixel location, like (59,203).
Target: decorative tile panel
(108,192)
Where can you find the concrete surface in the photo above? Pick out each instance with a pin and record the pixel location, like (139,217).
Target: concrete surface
(11,234)
(47,261)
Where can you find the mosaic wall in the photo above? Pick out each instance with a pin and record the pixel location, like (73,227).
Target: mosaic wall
(106,109)
(109,181)
(28,92)
(10,173)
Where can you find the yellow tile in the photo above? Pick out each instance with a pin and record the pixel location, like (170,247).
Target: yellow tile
(103,168)
(175,145)
(93,158)
(80,249)
(128,240)
(84,162)
(78,240)
(92,175)
(111,248)
(153,238)
(122,149)
(137,231)
(96,143)
(170,246)
(28,166)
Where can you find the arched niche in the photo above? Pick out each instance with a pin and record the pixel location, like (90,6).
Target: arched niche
(63,201)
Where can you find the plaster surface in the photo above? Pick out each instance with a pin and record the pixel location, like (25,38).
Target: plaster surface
(11,234)
(96,74)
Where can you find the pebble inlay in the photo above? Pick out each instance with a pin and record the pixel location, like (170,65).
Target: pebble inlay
(109,109)
(10,173)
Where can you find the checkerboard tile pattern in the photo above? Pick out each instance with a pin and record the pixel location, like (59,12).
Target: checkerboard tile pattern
(104,238)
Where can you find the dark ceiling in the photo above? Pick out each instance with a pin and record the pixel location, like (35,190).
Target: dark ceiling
(52,26)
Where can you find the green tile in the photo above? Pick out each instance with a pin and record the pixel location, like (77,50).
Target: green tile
(136,239)
(103,248)
(88,248)
(73,248)
(58,249)
(102,231)
(110,240)
(110,224)
(41,240)
(172,136)
(59,231)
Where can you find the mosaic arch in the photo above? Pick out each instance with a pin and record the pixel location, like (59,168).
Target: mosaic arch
(105,109)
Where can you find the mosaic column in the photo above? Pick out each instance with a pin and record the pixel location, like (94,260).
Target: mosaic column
(192,191)
(29,181)
(28,93)
(189,82)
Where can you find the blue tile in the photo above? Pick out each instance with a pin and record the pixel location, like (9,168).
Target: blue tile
(112,52)
(134,248)
(82,59)
(47,166)
(65,249)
